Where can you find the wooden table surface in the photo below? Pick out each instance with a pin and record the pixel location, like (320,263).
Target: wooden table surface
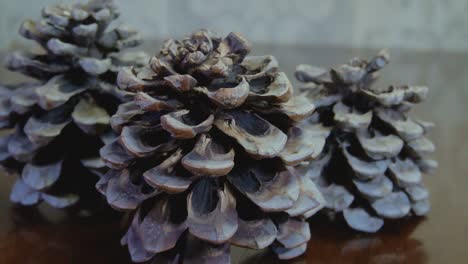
(44,235)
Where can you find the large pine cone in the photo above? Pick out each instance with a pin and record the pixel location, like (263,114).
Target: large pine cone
(61,120)
(372,168)
(206,153)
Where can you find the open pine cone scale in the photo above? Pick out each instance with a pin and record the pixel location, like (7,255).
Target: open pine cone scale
(206,150)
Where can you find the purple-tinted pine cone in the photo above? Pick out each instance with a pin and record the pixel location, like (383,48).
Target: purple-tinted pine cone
(60,120)
(207,152)
(376,154)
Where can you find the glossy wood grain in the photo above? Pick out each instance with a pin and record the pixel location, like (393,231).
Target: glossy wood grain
(27,236)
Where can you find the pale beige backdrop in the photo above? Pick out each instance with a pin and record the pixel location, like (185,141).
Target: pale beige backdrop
(413,24)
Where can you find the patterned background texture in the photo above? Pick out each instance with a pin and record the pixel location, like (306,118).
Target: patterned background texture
(411,24)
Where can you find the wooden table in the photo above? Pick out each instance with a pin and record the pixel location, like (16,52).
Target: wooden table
(26,236)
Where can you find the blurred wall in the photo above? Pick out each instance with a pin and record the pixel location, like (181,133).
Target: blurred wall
(413,24)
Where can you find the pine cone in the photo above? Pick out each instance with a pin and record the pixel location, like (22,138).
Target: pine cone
(206,154)
(61,120)
(376,154)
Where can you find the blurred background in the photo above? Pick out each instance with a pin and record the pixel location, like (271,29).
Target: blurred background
(412,24)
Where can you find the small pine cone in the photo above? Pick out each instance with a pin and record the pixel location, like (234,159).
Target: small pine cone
(61,120)
(376,154)
(206,154)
